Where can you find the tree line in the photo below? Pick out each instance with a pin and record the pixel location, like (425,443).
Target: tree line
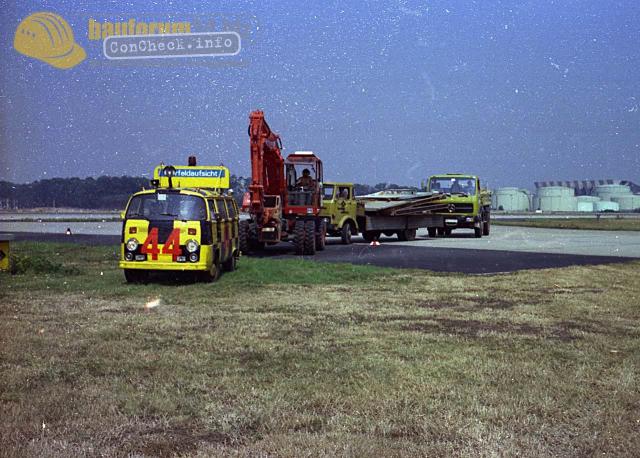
(105,192)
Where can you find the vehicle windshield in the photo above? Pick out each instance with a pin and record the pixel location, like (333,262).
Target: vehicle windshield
(327,191)
(169,206)
(453,185)
(302,175)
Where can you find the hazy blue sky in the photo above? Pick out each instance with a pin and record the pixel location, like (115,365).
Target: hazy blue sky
(512,91)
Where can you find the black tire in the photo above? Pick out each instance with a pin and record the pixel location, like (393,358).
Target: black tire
(136,275)
(370,236)
(433,232)
(486,227)
(447,232)
(243,235)
(406,235)
(213,273)
(477,231)
(321,235)
(310,237)
(298,232)
(346,233)
(230,264)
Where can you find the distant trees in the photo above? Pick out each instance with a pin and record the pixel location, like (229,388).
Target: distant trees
(108,193)
(91,193)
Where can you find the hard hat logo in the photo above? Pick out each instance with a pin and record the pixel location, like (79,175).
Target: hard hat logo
(48,37)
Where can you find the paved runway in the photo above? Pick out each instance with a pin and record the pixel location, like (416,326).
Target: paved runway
(440,255)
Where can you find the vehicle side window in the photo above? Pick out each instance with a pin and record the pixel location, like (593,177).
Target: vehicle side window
(212,209)
(231,208)
(222,209)
(343,192)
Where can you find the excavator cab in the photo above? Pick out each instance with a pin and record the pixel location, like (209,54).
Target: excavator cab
(303,172)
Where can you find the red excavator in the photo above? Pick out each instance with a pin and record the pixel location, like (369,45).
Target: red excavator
(284,196)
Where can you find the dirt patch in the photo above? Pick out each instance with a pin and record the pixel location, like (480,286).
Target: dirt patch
(171,440)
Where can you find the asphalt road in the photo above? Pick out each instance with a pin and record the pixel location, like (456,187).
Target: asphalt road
(396,254)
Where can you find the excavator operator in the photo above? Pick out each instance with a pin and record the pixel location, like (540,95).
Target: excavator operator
(305,181)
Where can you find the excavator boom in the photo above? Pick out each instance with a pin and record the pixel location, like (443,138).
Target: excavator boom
(267,163)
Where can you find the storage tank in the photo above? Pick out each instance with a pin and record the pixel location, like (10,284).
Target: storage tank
(586,203)
(608,191)
(512,200)
(557,199)
(627,203)
(606,206)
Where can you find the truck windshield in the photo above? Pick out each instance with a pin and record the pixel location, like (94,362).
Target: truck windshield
(169,206)
(453,185)
(327,192)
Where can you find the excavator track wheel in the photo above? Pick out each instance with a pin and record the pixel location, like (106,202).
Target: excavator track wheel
(310,237)
(321,235)
(299,233)
(243,235)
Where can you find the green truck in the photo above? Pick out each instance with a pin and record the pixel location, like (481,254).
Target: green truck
(468,206)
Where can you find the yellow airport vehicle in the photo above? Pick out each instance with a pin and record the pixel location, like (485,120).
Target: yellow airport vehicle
(185,223)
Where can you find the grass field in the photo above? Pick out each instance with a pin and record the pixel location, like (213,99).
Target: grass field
(293,358)
(602,224)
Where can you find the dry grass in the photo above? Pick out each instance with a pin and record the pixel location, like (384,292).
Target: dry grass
(330,360)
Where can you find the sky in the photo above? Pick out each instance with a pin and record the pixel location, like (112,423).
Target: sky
(514,92)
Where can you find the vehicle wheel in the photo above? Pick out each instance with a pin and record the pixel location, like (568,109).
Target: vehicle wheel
(370,236)
(136,276)
(406,235)
(213,273)
(243,235)
(346,233)
(298,232)
(389,233)
(486,228)
(477,231)
(447,231)
(230,264)
(432,232)
(321,235)
(310,237)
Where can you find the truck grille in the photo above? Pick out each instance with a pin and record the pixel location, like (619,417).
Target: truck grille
(460,208)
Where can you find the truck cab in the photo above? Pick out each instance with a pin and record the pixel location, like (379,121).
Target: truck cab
(185,224)
(468,205)
(340,210)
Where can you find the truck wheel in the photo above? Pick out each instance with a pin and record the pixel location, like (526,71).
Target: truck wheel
(432,232)
(370,236)
(310,237)
(407,235)
(346,233)
(136,276)
(486,227)
(243,235)
(321,236)
(477,231)
(298,232)
(230,264)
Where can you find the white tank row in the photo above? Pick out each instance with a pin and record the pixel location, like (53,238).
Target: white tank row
(611,197)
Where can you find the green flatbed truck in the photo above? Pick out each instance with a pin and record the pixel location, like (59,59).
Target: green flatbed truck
(468,206)
(391,212)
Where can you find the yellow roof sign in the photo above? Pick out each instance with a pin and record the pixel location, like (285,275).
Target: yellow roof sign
(208,177)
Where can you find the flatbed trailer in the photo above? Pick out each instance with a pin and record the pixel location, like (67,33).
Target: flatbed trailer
(396,211)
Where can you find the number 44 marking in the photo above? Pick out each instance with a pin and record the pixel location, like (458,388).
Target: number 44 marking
(171,245)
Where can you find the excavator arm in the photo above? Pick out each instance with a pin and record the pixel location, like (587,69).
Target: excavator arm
(267,163)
